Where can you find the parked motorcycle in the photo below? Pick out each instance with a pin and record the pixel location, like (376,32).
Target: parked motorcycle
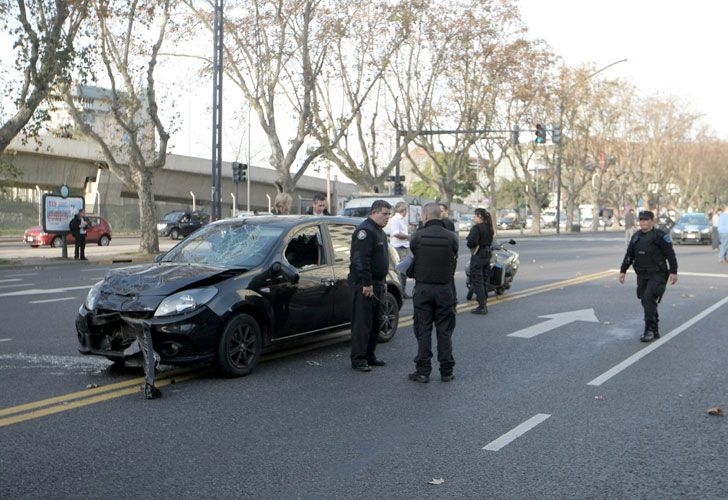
(504,264)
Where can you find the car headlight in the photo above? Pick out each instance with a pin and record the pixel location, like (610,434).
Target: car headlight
(93,296)
(705,231)
(677,230)
(185,301)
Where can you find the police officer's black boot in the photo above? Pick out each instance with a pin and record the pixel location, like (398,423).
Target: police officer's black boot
(649,334)
(481,309)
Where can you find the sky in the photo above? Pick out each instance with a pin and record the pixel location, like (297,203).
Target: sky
(672,47)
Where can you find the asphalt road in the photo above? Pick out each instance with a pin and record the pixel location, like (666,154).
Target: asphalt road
(579,410)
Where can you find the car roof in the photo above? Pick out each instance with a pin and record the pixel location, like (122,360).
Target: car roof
(293,220)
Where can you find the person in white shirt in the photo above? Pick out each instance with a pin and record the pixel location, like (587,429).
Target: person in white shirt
(399,238)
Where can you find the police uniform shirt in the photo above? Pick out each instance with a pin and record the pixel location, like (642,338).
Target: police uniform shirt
(647,252)
(369,254)
(480,237)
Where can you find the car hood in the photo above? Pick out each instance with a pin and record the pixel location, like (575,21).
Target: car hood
(34,230)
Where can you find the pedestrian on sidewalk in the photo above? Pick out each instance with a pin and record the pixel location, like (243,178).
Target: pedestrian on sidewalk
(78,227)
(714,236)
(628,225)
(399,238)
(435,252)
(647,252)
(723,236)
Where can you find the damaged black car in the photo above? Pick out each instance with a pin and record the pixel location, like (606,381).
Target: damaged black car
(231,291)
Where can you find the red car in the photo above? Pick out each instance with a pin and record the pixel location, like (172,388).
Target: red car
(99,231)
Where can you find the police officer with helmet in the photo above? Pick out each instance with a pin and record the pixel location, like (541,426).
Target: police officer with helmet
(435,251)
(647,252)
(367,273)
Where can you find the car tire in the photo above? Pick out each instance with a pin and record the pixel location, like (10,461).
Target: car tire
(500,291)
(104,241)
(240,346)
(57,242)
(34,246)
(390,317)
(174,234)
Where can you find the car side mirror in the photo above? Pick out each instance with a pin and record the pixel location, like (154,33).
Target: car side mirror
(158,258)
(511,242)
(287,272)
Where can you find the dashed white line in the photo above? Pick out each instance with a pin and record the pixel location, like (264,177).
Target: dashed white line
(8,281)
(42,291)
(16,285)
(516,432)
(5,340)
(60,299)
(654,345)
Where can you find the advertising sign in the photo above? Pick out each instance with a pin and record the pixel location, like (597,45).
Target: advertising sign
(58,211)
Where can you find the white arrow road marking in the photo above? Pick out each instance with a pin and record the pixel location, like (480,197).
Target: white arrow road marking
(654,345)
(61,299)
(516,432)
(41,291)
(555,321)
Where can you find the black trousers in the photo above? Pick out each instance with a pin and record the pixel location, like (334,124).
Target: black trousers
(434,305)
(366,319)
(479,273)
(79,249)
(650,287)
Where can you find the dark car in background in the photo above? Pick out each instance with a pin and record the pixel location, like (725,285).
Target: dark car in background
(98,231)
(181,223)
(232,290)
(692,227)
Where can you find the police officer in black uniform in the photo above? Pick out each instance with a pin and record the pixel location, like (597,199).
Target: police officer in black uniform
(367,272)
(479,241)
(647,252)
(435,251)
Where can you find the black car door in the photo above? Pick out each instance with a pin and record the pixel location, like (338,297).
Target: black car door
(340,236)
(307,305)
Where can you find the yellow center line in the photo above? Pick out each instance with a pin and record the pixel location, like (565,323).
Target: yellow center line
(125,388)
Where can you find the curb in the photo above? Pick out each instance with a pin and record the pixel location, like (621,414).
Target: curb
(60,261)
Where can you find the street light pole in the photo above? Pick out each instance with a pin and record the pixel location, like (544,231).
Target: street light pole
(562,106)
(217,112)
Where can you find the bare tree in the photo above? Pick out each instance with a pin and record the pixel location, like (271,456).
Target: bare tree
(44,32)
(130,36)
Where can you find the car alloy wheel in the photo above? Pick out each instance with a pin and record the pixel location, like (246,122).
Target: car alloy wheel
(57,242)
(240,346)
(174,234)
(390,317)
(104,241)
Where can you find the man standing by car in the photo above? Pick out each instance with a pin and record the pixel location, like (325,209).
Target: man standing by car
(399,238)
(479,241)
(78,227)
(435,251)
(318,206)
(367,272)
(647,252)
(628,225)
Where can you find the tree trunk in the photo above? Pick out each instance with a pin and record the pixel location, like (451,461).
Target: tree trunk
(535,206)
(149,241)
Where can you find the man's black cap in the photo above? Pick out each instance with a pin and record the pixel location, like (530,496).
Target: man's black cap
(646,215)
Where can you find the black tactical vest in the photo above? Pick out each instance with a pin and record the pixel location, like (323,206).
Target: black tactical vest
(648,257)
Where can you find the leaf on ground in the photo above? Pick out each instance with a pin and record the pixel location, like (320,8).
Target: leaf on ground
(687,295)
(436,481)
(716,411)
(92,386)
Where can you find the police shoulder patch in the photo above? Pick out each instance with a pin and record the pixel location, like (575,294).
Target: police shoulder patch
(362,234)
(667,238)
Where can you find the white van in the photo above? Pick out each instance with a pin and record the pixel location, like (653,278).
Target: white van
(360,207)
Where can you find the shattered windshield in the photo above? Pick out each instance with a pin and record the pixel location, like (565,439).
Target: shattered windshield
(231,244)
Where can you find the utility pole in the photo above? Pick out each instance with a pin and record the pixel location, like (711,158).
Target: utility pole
(217,113)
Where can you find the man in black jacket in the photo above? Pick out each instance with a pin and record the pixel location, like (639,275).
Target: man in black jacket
(78,226)
(648,250)
(445,218)
(479,241)
(435,251)
(367,273)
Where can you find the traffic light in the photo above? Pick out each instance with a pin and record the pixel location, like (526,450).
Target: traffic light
(514,135)
(398,188)
(556,133)
(540,133)
(240,172)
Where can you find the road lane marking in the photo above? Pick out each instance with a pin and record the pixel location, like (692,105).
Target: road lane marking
(699,275)
(16,285)
(94,270)
(654,345)
(124,388)
(46,301)
(556,321)
(9,280)
(516,432)
(42,291)
(5,340)
(19,275)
